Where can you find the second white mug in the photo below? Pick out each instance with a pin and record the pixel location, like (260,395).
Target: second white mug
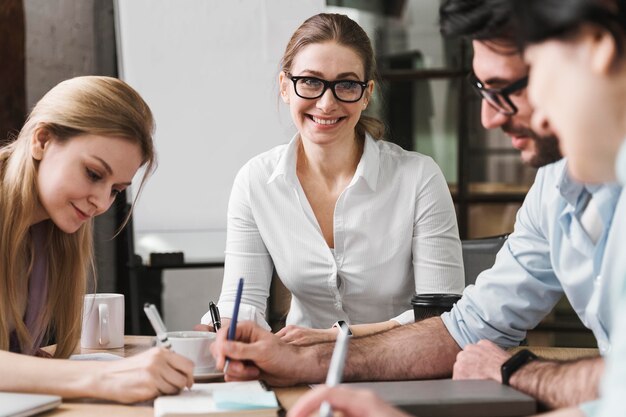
(103,321)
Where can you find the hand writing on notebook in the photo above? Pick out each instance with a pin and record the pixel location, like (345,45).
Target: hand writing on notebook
(303,336)
(262,351)
(350,402)
(145,376)
(482,360)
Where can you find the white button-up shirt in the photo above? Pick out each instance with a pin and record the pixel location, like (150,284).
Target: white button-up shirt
(395,235)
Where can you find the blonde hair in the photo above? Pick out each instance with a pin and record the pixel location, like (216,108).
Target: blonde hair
(326,27)
(101,106)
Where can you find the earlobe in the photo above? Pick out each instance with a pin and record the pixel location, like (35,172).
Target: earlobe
(38,144)
(603,53)
(282,84)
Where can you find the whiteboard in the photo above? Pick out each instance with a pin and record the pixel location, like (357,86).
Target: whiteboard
(208,69)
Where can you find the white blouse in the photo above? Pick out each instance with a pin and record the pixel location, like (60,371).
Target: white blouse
(395,235)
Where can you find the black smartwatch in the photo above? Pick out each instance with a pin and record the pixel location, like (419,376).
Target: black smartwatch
(515,362)
(342,324)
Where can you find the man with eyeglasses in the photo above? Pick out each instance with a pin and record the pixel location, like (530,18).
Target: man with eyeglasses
(553,250)
(550,253)
(505,103)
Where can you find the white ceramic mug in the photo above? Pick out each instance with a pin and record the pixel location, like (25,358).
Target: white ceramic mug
(103,321)
(195,346)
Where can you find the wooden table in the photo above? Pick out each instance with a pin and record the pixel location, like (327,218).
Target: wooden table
(287,396)
(132,346)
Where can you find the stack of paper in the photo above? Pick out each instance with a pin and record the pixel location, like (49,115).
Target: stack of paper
(219,399)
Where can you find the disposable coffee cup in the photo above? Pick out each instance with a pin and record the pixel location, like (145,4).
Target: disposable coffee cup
(195,346)
(431,305)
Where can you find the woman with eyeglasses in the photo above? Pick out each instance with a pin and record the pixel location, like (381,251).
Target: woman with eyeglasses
(354,226)
(576,50)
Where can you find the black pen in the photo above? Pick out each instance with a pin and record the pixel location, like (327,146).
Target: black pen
(215,316)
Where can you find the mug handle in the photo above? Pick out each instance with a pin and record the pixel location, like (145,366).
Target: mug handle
(103,316)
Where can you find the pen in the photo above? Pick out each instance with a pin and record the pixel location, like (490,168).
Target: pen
(335,370)
(157,324)
(215,316)
(232,330)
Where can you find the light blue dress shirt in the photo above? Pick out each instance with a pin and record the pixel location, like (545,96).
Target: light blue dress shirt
(548,254)
(614,381)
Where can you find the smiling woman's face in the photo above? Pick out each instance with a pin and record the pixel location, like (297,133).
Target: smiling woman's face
(79,178)
(572,89)
(325,120)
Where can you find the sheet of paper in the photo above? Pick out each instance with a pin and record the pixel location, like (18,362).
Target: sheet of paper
(215,398)
(102,356)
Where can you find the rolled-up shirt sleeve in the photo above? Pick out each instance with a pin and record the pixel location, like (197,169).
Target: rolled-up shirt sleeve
(517,292)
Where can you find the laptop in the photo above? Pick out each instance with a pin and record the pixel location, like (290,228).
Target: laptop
(22,405)
(452,398)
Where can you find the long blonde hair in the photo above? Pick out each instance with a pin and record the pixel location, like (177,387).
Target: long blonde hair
(101,106)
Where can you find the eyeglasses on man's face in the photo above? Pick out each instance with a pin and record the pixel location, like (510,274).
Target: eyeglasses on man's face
(348,91)
(499,98)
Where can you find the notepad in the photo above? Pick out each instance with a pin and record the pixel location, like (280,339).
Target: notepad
(219,399)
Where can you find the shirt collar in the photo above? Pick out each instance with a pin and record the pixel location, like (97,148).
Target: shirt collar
(605,195)
(620,163)
(569,188)
(368,166)
(286,166)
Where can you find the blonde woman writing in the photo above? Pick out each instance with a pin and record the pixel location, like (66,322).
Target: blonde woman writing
(81,146)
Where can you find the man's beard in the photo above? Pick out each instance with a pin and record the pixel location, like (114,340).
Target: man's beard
(546,147)
(547,151)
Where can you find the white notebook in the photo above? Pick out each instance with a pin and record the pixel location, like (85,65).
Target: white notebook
(219,399)
(22,405)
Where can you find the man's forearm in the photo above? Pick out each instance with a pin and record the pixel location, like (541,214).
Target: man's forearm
(420,350)
(560,384)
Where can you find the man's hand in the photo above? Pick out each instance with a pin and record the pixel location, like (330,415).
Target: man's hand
(480,361)
(259,354)
(351,403)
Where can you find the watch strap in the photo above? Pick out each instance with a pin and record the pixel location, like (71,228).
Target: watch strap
(514,363)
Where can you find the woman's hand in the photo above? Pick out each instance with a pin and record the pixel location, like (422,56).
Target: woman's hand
(142,377)
(351,403)
(303,336)
(209,327)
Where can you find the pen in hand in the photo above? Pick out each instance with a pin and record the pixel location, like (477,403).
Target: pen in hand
(232,329)
(157,324)
(215,316)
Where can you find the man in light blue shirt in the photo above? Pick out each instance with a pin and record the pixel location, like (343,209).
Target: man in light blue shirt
(550,253)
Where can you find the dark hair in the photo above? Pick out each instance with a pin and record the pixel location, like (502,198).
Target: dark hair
(539,20)
(326,27)
(476,20)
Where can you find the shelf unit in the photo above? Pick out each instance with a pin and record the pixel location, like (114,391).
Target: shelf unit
(399,70)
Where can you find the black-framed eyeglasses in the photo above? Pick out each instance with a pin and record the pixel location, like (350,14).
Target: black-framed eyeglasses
(499,98)
(348,91)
